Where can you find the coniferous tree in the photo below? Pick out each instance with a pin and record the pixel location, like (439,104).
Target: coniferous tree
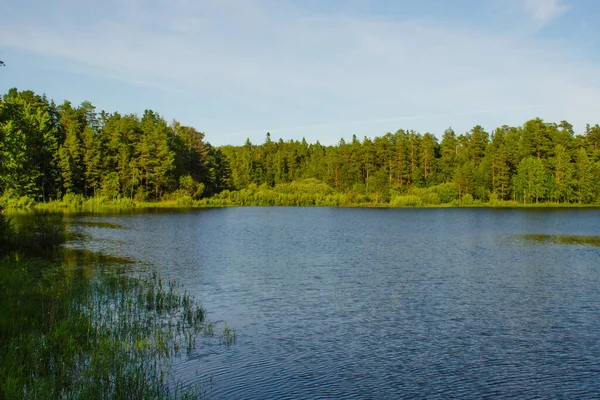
(584,178)
(563,175)
(48,151)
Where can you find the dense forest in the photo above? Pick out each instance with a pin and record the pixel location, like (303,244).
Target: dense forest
(50,152)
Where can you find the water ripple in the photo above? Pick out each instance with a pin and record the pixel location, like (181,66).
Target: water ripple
(354,304)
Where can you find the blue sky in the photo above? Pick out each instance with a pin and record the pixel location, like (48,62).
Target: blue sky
(319,69)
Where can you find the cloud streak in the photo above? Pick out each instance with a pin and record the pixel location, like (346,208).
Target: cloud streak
(235,67)
(544,11)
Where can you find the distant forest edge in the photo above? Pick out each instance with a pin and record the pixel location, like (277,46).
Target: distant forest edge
(66,156)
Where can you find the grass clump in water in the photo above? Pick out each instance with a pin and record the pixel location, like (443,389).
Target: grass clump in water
(229,335)
(584,240)
(99,224)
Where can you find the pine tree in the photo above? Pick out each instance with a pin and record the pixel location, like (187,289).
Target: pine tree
(531,179)
(563,175)
(584,178)
(428,156)
(448,150)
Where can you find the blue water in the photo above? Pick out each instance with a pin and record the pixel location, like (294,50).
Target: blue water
(379,303)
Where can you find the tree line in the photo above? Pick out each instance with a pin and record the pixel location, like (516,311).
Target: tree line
(49,151)
(537,162)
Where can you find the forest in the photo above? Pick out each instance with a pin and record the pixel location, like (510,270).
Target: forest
(74,154)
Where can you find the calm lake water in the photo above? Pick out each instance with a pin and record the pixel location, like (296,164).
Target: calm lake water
(379,303)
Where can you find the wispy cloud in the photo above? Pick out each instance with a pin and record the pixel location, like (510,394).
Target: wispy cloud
(242,66)
(544,11)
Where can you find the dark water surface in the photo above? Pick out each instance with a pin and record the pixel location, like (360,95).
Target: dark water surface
(379,303)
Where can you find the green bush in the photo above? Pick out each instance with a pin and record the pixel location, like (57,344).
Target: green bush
(363,199)
(306,186)
(18,202)
(430,198)
(73,200)
(185,200)
(96,202)
(406,201)
(190,187)
(140,194)
(467,200)
(122,202)
(447,192)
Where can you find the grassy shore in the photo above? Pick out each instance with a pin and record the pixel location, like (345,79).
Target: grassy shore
(305,193)
(119,205)
(79,325)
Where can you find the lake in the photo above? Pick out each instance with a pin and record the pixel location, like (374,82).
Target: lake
(381,303)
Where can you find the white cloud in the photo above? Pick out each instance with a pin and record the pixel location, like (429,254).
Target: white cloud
(544,11)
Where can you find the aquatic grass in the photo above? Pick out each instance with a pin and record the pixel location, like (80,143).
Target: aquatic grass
(584,240)
(63,335)
(98,224)
(229,336)
(75,324)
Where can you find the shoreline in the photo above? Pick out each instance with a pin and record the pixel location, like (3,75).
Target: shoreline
(118,205)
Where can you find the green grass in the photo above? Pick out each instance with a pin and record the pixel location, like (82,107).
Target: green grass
(79,325)
(583,240)
(305,194)
(305,202)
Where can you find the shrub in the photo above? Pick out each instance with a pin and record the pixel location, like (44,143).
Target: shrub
(406,201)
(192,188)
(430,198)
(467,200)
(94,202)
(305,186)
(185,200)
(447,192)
(17,202)
(140,194)
(73,200)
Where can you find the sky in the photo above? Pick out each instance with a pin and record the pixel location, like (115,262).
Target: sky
(318,69)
